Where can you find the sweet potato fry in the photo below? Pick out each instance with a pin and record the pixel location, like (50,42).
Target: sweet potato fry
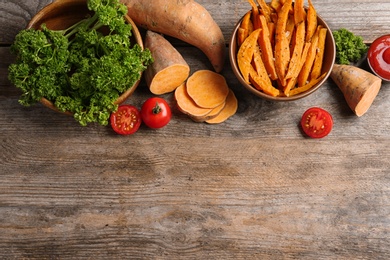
(306,87)
(290,27)
(317,67)
(265,10)
(299,12)
(262,85)
(311,21)
(276,5)
(255,14)
(260,67)
(299,41)
(266,48)
(245,29)
(305,72)
(247,23)
(282,49)
(245,54)
(242,34)
(294,77)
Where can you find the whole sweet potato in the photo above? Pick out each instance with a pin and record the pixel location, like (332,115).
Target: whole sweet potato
(186,20)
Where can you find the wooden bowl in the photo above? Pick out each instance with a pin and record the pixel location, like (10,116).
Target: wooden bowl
(62,14)
(328,62)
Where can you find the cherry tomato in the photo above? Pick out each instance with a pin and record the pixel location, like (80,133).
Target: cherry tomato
(155,112)
(126,120)
(316,122)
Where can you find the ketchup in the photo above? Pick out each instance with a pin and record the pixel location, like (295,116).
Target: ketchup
(379,57)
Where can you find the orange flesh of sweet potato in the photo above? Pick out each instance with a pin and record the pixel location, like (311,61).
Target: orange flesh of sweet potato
(265,44)
(294,79)
(213,113)
(246,28)
(311,21)
(245,53)
(299,12)
(208,89)
(229,109)
(185,20)
(187,105)
(282,50)
(255,14)
(265,10)
(317,66)
(303,77)
(297,51)
(169,69)
(307,86)
(258,64)
(358,86)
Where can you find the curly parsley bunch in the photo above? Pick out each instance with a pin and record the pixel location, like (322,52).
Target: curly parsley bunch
(79,69)
(349,47)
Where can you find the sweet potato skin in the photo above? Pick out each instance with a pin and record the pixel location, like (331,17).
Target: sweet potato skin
(185,20)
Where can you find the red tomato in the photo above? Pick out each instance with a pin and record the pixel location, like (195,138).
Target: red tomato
(155,112)
(316,122)
(126,120)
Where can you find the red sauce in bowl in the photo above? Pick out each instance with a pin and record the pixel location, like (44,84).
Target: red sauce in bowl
(379,57)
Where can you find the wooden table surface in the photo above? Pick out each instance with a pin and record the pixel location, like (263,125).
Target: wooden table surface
(251,188)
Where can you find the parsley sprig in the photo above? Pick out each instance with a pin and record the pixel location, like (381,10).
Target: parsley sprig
(349,47)
(80,69)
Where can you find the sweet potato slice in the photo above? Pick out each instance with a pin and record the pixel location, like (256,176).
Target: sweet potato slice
(186,105)
(207,88)
(169,68)
(229,109)
(213,113)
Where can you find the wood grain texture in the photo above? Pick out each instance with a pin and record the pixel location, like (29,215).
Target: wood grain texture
(251,188)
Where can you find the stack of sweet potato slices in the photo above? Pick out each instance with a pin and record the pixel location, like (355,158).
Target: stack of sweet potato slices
(206,97)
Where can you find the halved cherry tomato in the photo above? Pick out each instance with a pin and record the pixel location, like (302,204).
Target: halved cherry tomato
(155,112)
(126,120)
(316,122)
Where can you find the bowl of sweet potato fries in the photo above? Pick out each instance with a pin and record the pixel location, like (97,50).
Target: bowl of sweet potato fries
(282,50)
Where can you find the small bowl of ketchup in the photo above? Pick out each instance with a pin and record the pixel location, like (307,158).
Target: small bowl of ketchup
(378,57)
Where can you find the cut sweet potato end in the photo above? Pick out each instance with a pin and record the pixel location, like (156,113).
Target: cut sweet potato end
(229,110)
(187,105)
(168,79)
(207,88)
